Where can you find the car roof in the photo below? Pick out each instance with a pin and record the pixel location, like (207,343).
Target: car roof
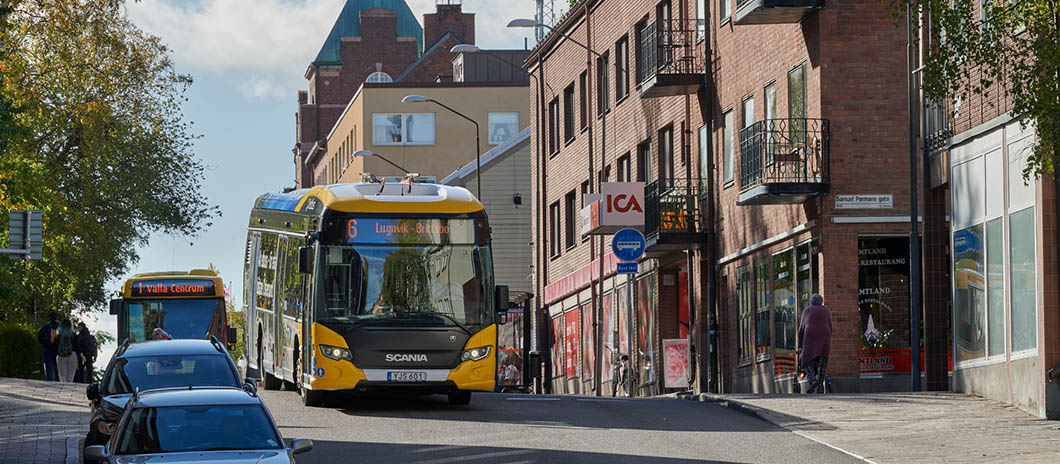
(168,347)
(195,397)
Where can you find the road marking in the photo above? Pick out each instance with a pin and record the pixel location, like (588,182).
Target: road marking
(604,400)
(519,398)
(473,457)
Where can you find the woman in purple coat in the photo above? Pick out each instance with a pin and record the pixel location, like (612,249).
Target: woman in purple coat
(815,338)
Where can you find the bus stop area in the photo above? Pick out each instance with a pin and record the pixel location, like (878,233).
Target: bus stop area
(908,426)
(41,422)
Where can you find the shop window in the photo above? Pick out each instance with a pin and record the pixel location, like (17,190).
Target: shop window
(969,303)
(762,332)
(1022,274)
(609,336)
(558,358)
(646,328)
(626,308)
(570,333)
(746,307)
(784,312)
(995,287)
(588,337)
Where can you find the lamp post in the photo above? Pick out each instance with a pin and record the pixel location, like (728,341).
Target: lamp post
(478,160)
(369,153)
(598,336)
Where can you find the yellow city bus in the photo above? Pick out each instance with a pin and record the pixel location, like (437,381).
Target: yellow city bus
(372,286)
(185,304)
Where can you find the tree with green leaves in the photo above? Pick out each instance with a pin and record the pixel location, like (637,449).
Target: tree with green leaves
(986,47)
(105,151)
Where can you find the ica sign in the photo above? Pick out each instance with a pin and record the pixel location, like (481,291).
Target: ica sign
(623,204)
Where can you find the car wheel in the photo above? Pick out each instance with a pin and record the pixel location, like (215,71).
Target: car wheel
(310,398)
(460,398)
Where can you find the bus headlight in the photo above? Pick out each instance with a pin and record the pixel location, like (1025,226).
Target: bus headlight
(336,353)
(475,354)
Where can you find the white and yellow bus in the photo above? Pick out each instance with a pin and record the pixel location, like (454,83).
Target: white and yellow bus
(372,286)
(185,304)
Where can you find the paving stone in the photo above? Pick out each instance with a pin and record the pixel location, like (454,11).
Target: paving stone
(37,417)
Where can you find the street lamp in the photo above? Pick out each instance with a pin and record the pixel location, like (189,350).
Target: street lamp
(369,153)
(478,160)
(523,22)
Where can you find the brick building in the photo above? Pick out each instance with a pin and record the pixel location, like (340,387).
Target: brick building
(806,158)
(374,41)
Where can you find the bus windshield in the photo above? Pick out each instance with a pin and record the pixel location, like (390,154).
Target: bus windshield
(180,317)
(418,285)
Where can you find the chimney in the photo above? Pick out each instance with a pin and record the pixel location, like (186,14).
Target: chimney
(448,17)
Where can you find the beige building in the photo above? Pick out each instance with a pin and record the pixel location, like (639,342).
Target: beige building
(506,196)
(422,137)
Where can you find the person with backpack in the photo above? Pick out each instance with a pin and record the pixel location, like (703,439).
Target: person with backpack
(85,347)
(64,350)
(46,337)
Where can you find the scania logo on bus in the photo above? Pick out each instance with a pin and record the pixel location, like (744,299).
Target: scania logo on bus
(391,357)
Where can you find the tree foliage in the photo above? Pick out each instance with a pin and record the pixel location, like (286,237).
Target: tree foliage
(105,151)
(977,47)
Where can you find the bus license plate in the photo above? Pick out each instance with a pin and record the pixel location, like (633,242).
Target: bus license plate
(406,376)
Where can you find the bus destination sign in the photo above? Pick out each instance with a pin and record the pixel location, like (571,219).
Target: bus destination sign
(411,231)
(173,287)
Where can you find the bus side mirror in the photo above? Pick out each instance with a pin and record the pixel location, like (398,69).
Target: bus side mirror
(115,306)
(500,296)
(230,336)
(305,260)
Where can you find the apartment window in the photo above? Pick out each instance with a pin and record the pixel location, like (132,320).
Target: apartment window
(703,147)
(602,100)
(797,103)
(644,162)
(748,112)
(403,129)
(502,126)
(771,113)
(666,155)
(553,126)
(726,143)
(553,229)
(622,68)
(723,10)
(645,43)
(568,226)
(583,99)
(763,339)
(664,33)
(624,168)
(568,112)
(701,19)
(605,176)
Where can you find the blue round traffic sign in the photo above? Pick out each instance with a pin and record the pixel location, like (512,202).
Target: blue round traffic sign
(628,244)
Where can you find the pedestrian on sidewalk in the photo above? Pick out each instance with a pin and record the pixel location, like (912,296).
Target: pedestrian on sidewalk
(64,342)
(815,339)
(46,337)
(86,349)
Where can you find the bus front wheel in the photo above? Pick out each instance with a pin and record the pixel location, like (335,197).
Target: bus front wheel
(460,398)
(310,398)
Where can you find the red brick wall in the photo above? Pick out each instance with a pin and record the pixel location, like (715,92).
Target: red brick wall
(438,63)
(448,18)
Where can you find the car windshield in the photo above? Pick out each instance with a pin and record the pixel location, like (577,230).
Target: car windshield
(425,285)
(180,318)
(198,428)
(151,372)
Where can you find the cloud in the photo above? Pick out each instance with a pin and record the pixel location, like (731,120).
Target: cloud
(262,47)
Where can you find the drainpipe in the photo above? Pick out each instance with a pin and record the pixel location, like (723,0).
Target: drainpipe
(915,297)
(708,377)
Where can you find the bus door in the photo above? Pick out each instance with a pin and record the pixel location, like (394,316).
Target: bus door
(305,316)
(250,307)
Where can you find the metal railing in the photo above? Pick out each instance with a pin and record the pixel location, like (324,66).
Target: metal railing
(669,47)
(672,206)
(939,125)
(784,151)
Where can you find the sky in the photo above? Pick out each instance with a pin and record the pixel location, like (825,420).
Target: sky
(248,59)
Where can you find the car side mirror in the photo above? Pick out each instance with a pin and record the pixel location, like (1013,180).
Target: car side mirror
(115,306)
(301,445)
(95,453)
(250,386)
(92,392)
(305,260)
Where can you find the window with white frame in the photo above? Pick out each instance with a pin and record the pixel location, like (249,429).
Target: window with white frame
(377,77)
(727,170)
(701,19)
(723,10)
(502,126)
(403,129)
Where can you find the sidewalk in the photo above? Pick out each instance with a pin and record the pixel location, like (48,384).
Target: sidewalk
(908,427)
(37,418)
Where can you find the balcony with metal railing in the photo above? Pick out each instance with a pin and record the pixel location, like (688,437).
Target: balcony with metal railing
(774,11)
(673,219)
(670,58)
(784,161)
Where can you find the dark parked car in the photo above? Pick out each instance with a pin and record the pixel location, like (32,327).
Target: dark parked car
(152,365)
(198,425)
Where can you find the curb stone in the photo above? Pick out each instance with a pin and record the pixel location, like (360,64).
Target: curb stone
(760,413)
(73,450)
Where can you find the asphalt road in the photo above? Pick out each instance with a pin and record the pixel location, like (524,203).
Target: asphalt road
(502,428)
